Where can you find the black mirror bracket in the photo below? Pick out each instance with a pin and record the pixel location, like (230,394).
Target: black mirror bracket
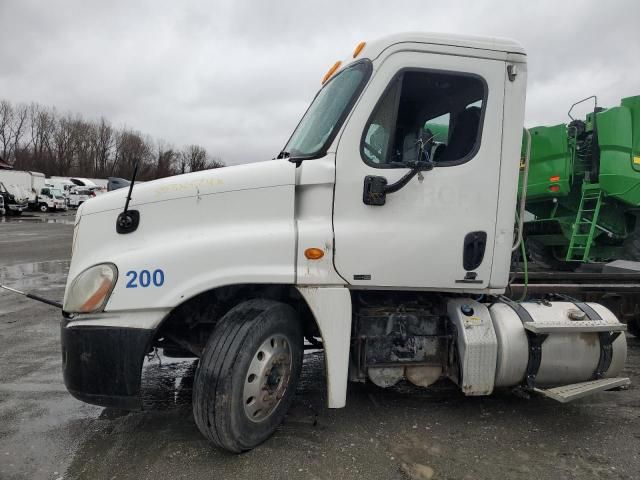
(376,187)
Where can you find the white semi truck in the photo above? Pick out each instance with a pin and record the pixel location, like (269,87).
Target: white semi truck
(367,237)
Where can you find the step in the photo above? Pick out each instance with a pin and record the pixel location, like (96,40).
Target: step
(567,393)
(574,326)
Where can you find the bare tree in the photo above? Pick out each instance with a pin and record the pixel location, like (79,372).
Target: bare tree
(166,160)
(131,148)
(41,124)
(6,134)
(20,115)
(195,158)
(70,145)
(63,142)
(104,139)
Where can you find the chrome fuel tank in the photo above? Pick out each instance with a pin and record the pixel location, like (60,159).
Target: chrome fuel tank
(569,354)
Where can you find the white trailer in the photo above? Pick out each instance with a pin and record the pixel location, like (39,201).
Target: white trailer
(387,249)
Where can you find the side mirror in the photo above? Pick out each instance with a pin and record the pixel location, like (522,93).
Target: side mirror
(374,192)
(376,188)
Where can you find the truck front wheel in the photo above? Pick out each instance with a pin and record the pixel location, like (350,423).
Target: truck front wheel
(44,208)
(247,375)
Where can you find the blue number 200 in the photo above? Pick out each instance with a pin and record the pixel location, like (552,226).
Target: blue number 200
(145,278)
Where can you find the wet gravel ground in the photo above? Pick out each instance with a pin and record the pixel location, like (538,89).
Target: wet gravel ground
(398,433)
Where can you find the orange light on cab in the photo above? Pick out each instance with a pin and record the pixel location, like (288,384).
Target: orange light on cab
(314,253)
(555,178)
(358,49)
(331,71)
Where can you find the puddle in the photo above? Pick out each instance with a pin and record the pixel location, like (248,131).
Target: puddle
(40,276)
(64,220)
(167,383)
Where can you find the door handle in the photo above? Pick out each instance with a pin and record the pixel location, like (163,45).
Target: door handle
(475,244)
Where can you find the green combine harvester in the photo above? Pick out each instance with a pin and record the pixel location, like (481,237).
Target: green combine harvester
(583,190)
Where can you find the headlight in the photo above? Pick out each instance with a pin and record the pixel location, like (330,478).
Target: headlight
(91,289)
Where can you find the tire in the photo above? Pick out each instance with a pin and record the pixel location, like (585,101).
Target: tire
(43,208)
(238,358)
(545,257)
(631,247)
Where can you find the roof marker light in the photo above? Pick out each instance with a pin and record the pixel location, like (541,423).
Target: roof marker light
(358,49)
(331,71)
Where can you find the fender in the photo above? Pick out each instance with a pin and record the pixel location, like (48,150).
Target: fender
(331,307)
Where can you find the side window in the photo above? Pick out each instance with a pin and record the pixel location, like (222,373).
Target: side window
(439,127)
(426,116)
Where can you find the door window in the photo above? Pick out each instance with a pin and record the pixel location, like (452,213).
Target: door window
(426,116)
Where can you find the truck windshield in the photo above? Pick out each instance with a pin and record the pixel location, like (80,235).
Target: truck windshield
(326,113)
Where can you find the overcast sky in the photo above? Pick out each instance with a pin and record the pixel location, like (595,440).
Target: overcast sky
(236,76)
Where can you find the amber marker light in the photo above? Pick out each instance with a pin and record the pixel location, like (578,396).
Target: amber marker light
(314,253)
(358,49)
(555,178)
(97,298)
(331,71)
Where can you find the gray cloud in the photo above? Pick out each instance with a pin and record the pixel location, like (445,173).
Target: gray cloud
(236,76)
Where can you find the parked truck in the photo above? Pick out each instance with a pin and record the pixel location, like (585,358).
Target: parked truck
(14,199)
(384,246)
(584,188)
(29,182)
(51,199)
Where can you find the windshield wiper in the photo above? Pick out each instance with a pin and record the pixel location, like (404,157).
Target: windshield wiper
(283,154)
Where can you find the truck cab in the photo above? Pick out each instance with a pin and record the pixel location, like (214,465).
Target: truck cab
(14,199)
(50,198)
(382,233)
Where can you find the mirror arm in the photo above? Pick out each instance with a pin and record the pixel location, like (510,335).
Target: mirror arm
(415,169)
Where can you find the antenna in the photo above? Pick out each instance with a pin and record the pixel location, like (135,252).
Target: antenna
(128,220)
(133,180)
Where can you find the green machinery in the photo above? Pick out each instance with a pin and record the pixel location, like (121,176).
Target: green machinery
(583,190)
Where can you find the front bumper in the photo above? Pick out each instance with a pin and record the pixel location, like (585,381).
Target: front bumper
(102,364)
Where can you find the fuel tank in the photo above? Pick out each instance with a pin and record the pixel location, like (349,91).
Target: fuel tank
(570,352)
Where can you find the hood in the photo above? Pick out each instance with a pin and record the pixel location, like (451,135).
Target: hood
(198,184)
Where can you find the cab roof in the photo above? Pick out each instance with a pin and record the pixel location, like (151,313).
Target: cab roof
(495,44)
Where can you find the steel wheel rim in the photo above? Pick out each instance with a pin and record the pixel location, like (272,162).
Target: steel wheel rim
(267,378)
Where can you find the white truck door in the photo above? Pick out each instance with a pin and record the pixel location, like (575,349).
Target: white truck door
(436,232)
